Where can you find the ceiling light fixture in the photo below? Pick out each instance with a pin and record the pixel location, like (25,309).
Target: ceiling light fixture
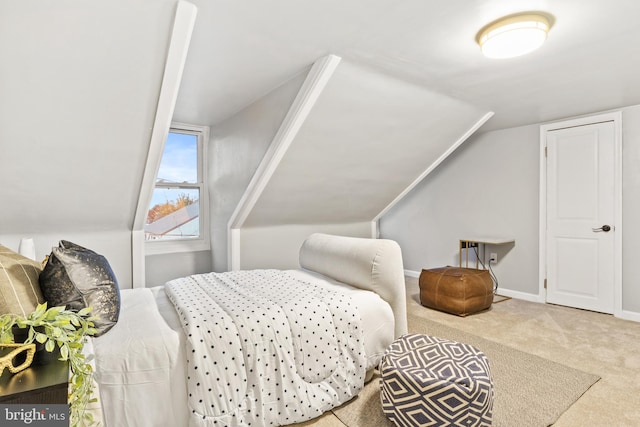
(514,35)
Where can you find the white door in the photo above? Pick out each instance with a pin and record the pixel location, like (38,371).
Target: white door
(581,212)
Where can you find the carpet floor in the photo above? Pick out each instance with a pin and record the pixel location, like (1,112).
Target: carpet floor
(530,391)
(595,343)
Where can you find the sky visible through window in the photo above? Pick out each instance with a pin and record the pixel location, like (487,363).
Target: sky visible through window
(179,163)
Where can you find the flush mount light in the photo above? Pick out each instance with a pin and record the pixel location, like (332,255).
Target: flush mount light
(514,35)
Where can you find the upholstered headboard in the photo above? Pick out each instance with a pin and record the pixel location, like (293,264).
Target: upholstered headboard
(372,264)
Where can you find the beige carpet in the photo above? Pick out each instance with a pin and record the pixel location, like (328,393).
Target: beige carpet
(592,342)
(530,391)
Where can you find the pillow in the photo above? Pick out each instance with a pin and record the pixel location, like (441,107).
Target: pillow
(372,264)
(77,277)
(19,289)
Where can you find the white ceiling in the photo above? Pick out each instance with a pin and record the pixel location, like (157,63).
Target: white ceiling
(367,139)
(80,80)
(79,85)
(242,49)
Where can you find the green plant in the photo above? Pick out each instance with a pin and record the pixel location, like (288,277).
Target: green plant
(68,330)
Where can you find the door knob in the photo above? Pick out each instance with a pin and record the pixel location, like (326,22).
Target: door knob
(604,228)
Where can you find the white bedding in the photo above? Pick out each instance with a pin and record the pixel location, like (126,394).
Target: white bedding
(140,364)
(141,361)
(376,314)
(265,348)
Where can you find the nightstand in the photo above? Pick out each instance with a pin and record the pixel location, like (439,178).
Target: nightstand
(38,384)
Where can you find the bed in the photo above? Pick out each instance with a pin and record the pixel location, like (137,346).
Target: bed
(225,349)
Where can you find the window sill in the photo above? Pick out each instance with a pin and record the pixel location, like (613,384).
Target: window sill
(169,247)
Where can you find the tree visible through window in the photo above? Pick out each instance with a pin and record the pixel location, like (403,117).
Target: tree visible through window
(174,212)
(163,209)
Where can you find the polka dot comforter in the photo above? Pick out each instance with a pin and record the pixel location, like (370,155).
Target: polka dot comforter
(265,348)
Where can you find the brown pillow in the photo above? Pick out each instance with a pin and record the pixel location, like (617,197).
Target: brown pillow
(77,277)
(19,289)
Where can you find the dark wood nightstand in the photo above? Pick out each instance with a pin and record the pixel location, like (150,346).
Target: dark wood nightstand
(38,384)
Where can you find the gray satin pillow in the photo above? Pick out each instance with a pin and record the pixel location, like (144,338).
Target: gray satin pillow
(77,277)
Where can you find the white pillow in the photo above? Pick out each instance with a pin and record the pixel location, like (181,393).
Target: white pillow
(372,264)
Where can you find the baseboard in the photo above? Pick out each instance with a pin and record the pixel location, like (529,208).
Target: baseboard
(501,291)
(411,273)
(520,295)
(625,315)
(630,315)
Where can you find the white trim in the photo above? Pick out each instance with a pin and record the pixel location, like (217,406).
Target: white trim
(375,232)
(525,296)
(233,249)
(313,86)
(630,315)
(616,118)
(617,296)
(180,40)
(174,65)
(411,273)
(311,90)
(203,243)
(437,162)
(138,267)
(178,245)
(542,216)
(501,291)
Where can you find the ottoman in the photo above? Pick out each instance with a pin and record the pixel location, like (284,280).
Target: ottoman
(429,381)
(456,290)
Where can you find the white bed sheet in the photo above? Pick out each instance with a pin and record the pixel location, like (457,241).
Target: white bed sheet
(140,365)
(140,362)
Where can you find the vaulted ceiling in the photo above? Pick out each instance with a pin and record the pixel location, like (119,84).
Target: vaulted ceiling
(367,139)
(242,49)
(80,81)
(79,85)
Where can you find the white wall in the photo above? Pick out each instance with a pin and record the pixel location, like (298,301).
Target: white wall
(487,187)
(279,246)
(76,111)
(236,148)
(79,88)
(114,245)
(159,269)
(490,186)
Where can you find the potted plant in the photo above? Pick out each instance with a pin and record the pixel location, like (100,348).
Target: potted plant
(65,330)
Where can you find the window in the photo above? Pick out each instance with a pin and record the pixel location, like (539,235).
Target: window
(177,216)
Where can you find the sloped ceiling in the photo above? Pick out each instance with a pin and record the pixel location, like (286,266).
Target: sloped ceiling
(80,80)
(243,49)
(79,85)
(367,138)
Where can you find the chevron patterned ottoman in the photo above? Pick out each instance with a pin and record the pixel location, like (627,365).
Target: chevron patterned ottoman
(429,381)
